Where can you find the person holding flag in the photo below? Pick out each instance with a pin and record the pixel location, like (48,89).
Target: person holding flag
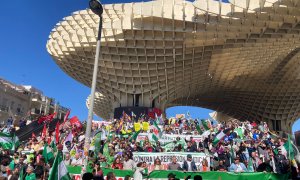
(59,170)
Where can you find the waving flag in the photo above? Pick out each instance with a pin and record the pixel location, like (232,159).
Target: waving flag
(57,132)
(66,117)
(199,129)
(46,118)
(134,136)
(156,129)
(97,142)
(21,176)
(75,121)
(47,153)
(8,141)
(289,148)
(69,137)
(106,153)
(16,142)
(240,132)
(154,137)
(120,126)
(53,146)
(133,115)
(44,132)
(59,170)
(220,136)
(205,124)
(33,136)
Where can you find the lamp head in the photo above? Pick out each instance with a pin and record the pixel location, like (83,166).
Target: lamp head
(96,7)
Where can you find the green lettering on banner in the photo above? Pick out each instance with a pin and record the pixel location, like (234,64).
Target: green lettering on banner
(219,175)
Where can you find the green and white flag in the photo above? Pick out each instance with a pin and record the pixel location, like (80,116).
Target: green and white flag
(96,142)
(157,129)
(250,165)
(8,141)
(53,146)
(16,142)
(220,136)
(134,136)
(154,138)
(240,132)
(163,174)
(106,153)
(59,170)
(47,153)
(199,129)
(169,147)
(21,176)
(287,146)
(205,124)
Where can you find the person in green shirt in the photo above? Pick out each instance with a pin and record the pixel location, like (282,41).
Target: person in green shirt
(30,175)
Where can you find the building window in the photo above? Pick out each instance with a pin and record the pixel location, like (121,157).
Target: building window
(4,102)
(276,125)
(19,108)
(12,105)
(137,99)
(153,103)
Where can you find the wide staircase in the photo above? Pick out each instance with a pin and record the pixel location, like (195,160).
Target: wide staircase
(26,132)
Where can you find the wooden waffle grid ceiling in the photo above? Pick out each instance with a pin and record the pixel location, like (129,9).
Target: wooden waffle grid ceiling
(239,57)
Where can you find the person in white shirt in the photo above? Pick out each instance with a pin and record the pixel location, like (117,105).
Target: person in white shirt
(138,173)
(128,163)
(77,161)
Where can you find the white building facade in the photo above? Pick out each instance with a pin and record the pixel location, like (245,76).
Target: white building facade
(25,102)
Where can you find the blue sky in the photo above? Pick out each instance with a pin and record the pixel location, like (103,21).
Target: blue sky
(25,27)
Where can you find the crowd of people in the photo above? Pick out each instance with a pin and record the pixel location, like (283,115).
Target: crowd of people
(243,147)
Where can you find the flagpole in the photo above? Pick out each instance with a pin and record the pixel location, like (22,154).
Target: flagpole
(97,8)
(289,143)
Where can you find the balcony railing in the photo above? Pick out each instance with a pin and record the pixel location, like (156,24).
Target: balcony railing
(36,111)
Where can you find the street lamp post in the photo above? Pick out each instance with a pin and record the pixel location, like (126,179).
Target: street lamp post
(97,8)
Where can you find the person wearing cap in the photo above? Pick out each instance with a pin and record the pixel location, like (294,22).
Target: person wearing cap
(237,166)
(30,175)
(189,164)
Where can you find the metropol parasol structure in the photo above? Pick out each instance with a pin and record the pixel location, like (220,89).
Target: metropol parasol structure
(238,57)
